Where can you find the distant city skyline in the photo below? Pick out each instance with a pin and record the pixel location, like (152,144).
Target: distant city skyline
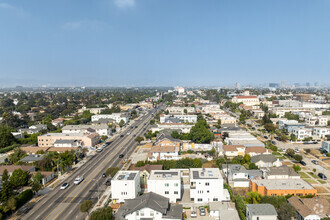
(164,43)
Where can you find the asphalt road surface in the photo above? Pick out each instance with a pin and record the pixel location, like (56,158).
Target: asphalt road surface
(64,204)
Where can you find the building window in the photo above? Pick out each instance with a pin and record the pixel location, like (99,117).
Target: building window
(167,192)
(215,199)
(176,184)
(166,184)
(208,191)
(142,213)
(176,192)
(199,199)
(137,213)
(151,213)
(207,184)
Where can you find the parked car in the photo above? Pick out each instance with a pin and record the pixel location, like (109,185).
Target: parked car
(202,211)
(193,214)
(65,185)
(322,176)
(121,135)
(274,142)
(296,150)
(99,149)
(103,175)
(315,162)
(265,137)
(121,155)
(108,182)
(303,163)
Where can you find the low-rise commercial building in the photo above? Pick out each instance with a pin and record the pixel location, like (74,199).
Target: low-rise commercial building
(48,140)
(282,187)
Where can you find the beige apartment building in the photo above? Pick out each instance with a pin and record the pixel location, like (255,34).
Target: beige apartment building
(48,140)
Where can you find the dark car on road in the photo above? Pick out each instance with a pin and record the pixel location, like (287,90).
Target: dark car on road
(315,162)
(121,155)
(121,135)
(108,182)
(303,163)
(265,137)
(322,176)
(104,175)
(274,142)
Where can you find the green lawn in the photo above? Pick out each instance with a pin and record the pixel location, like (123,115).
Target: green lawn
(321,181)
(276,153)
(303,175)
(309,181)
(313,175)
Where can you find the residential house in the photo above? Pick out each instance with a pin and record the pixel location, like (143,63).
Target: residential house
(321,132)
(266,160)
(260,212)
(32,158)
(11,168)
(46,177)
(115,116)
(149,206)
(34,129)
(125,185)
(282,187)
(67,143)
(145,172)
(163,152)
(58,122)
(232,151)
(310,208)
(302,133)
(257,150)
(166,183)
(238,175)
(282,172)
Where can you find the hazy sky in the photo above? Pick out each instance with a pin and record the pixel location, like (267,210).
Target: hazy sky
(163,42)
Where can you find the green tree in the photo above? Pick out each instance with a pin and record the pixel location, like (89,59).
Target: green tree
(296,168)
(298,157)
(185,111)
(290,152)
(286,211)
(238,160)
(247,158)
(121,123)
(86,205)
(102,214)
(6,190)
(253,197)
(111,171)
(253,166)
(17,155)
(6,138)
(242,118)
(10,205)
(152,121)
(270,127)
(36,182)
(293,137)
(139,139)
(19,178)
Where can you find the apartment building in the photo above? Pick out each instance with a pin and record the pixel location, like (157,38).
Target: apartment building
(165,183)
(282,187)
(115,116)
(48,140)
(206,185)
(248,100)
(232,151)
(302,133)
(125,185)
(321,132)
(102,130)
(180,110)
(184,128)
(289,125)
(326,146)
(181,118)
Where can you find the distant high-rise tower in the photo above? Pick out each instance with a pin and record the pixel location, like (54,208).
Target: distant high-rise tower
(237,85)
(316,84)
(283,83)
(308,84)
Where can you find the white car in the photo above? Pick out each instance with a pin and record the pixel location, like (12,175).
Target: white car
(65,185)
(99,149)
(78,180)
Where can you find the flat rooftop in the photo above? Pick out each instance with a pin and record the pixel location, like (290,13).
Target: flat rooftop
(164,175)
(205,173)
(283,184)
(126,175)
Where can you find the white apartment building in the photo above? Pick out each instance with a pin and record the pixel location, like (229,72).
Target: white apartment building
(163,153)
(182,127)
(206,185)
(246,100)
(180,110)
(165,183)
(115,116)
(326,146)
(302,133)
(125,185)
(321,132)
(183,118)
(102,130)
(316,120)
